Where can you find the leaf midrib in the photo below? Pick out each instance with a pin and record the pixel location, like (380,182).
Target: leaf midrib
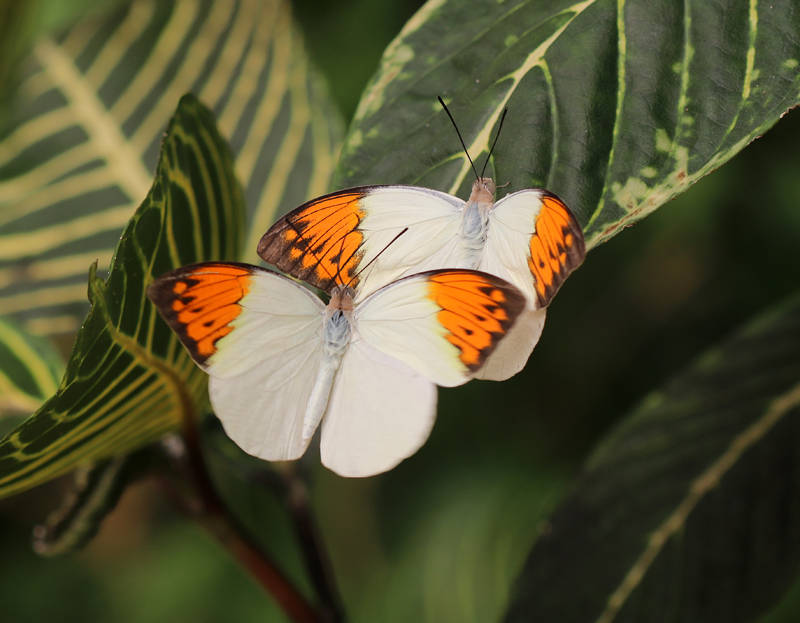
(124,164)
(699,487)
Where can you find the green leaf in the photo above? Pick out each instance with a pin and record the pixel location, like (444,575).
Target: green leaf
(615,106)
(22,22)
(95,492)
(690,509)
(13,18)
(129,381)
(79,153)
(30,369)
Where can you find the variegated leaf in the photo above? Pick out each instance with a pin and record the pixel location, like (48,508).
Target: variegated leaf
(615,106)
(129,380)
(30,370)
(80,152)
(690,510)
(95,492)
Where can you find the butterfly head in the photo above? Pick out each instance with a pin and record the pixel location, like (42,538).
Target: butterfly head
(483,191)
(338,317)
(342,298)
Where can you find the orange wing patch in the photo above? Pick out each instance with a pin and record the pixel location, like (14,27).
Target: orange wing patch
(200,301)
(476,309)
(557,248)
(319,242)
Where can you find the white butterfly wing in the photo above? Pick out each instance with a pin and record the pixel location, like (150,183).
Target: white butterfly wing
(380,412)
(257,335)
(442,323)
(533,242)
(330,239)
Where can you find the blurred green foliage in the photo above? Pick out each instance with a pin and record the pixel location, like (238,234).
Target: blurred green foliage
(640,309)
(22,22)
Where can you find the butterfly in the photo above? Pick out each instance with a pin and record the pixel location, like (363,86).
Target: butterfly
(281,361)
(529,238)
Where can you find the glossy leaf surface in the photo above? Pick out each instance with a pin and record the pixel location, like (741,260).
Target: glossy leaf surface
(615,106)
(690,510)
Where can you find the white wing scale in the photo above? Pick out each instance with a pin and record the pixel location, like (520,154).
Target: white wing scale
(380,412)
(432,219)
(265,370)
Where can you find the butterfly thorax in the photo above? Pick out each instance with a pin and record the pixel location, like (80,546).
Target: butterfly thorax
(475,223)
(337,322)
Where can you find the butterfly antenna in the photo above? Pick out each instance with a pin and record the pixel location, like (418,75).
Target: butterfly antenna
(496,136)
(391,242)
(441,101)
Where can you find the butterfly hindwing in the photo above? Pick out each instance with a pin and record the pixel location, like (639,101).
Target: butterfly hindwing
(262,408)
(380,412)
(443,323)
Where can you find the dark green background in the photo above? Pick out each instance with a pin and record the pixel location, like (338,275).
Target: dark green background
(641,308)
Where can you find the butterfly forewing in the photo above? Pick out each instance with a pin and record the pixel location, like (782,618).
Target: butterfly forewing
(557,248)
(534,242)
(442,323)
(477,310)
(319,242)
(327,241)
(230,317)
(200,303)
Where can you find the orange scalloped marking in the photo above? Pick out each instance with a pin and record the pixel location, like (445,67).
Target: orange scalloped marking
(557,248)
(320,242)
(475,310)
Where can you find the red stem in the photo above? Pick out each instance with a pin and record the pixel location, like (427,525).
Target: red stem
(261,568)
(210,512)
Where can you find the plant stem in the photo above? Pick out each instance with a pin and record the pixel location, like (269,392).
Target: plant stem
(260,567)
(288,484)
(205,506)
(316,560)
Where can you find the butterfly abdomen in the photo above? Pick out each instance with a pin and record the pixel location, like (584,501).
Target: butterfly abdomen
(336,332)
